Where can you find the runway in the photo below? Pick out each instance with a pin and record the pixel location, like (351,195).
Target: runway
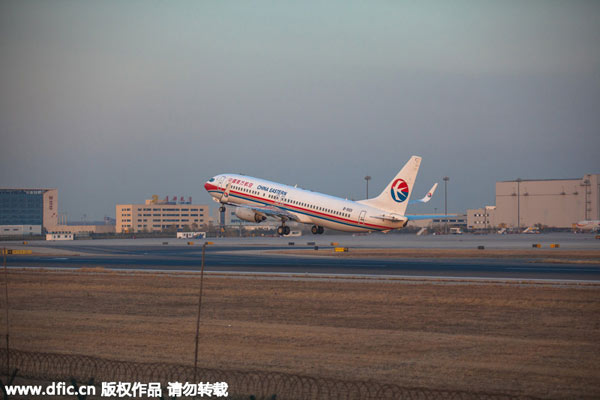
(252,255)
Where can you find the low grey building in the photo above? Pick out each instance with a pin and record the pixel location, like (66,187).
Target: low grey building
(556,203)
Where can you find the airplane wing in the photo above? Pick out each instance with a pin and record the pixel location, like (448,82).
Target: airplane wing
(271,211)
(427,197)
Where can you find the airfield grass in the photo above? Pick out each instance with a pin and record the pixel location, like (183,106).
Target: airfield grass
(541,340)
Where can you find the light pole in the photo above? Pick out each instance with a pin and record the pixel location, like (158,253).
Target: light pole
(367,178)
(446,179)
(519,180)
(586,185)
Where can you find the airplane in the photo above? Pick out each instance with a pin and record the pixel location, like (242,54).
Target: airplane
(588,225)
(256,199)
(427,197)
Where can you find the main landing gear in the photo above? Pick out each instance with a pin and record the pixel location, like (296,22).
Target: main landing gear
(283,230)
(317,230)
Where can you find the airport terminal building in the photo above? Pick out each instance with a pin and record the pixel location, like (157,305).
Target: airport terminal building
(27,211)
(555,203)
(156,216)
(35,212)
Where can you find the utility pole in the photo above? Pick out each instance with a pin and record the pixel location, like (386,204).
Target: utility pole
(199,309)
(519,180)
(446,179)
(367,178)
(6,305)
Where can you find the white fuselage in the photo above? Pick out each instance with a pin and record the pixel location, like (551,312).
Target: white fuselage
(306,206)
(588,225)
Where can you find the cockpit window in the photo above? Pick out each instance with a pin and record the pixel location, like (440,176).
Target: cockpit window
(211,180)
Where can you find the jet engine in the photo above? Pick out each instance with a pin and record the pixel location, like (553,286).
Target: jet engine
(249,215)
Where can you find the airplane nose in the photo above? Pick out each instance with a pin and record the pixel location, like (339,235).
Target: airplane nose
(210,184)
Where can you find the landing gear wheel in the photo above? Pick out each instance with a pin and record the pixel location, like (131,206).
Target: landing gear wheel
(280,230)
(286,230)
(314,230)
(222,209)
(320,230)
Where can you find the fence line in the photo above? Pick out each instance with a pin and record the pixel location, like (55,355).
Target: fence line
(63,367)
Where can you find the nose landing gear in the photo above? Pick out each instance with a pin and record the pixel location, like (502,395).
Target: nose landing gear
(222,220)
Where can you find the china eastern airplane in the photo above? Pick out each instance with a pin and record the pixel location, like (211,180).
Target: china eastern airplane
(588,225)
(256,199)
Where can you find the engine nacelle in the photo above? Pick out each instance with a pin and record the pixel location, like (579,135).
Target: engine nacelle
(249,215)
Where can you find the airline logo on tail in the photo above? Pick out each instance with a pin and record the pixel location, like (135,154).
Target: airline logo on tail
(399,190)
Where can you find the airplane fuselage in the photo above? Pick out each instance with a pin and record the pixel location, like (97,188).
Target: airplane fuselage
(588,225)
(304,206)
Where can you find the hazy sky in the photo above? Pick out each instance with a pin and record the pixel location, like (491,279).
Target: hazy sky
(113,101)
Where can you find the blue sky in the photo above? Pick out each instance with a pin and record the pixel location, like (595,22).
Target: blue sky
(114,101)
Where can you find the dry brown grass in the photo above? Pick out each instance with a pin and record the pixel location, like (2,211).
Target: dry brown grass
(537,340)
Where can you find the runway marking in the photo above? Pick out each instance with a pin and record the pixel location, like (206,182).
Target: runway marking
(554,269)
(433,279)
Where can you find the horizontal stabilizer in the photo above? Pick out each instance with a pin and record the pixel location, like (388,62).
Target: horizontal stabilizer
(421,217)
(391,217)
